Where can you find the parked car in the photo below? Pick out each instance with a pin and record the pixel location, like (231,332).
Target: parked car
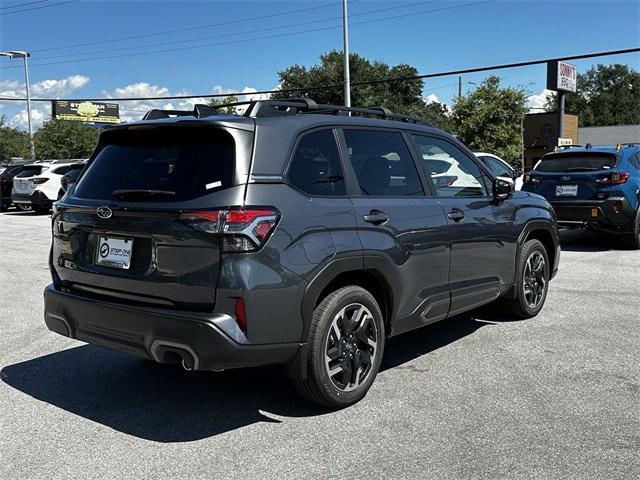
(501,169)
(39,185)
(592,186)
(289,235)
(69,179)
(6,184)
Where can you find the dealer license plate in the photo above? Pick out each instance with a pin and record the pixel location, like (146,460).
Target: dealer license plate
(114,252)
(566,190)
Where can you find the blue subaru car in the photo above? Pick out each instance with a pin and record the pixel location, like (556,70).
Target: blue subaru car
(592,186)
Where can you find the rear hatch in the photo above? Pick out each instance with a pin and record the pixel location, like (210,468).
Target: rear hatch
(122,232)
(23,183)
(572,175)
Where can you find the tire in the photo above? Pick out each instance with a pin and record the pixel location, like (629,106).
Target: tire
(41,210)
(527,303)
(347,326)
(631,237)
(23,208)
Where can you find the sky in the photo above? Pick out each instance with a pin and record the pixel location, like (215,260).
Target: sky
(120,48)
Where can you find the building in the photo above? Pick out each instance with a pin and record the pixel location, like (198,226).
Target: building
(609,135)
(540,134)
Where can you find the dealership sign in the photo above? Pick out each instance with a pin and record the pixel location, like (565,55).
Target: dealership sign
(78,111)
(561,77)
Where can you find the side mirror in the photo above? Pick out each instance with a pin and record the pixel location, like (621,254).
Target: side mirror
(502,189)
(517,172)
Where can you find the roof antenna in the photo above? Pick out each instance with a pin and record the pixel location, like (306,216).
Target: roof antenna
(588,146)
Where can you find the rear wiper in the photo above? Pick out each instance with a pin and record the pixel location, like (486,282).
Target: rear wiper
(139,194)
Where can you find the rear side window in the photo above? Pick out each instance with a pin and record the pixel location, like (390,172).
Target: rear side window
(382,163)
(61,170)
(576,163)
(315,168)
(498,168)
(187,162)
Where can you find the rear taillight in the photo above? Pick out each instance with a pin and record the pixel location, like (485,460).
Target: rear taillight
(39,180)
(528,179)
(243,229)
(241,314)
(613,178)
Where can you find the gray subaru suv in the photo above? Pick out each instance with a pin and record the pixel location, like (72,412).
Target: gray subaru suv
(294,234)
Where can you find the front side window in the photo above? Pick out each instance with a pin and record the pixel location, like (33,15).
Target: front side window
(382,163)
(453,173)
(315,168)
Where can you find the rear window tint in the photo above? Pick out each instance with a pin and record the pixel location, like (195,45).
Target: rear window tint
(576,163)
(315,168)
(30,172)
(192,162)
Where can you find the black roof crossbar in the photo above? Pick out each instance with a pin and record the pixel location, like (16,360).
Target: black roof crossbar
(199,110)
(287,106)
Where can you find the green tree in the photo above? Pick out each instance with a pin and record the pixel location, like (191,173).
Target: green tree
(490,118)
(216,101)
(13,142)
(402,96)
(606,95)
(59,139)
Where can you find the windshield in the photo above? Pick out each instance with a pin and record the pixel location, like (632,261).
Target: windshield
(576,163)
(187,162)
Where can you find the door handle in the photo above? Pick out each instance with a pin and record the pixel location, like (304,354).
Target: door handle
(456,214)
(376,217)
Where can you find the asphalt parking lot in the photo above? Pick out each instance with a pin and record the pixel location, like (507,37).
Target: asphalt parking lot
(480,396)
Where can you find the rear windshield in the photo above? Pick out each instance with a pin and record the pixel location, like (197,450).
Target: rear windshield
(576,163)
(30,172)
(187,162)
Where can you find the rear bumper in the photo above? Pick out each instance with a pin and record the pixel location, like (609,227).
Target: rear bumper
(602,212)
(37,198)
(153,333)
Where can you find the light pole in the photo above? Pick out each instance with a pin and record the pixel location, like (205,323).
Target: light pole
(345,40)
(24,56)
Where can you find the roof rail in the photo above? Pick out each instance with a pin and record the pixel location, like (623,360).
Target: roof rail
(292,106)
(287,106)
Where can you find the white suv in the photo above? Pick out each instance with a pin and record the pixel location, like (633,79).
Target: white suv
(39,184)
(501,169)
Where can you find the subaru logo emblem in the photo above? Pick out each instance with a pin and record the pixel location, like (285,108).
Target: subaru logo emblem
(104,212)
(565,178)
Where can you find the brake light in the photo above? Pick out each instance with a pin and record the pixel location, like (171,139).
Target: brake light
(528,179)
(613,178)
(39,180)
(241,314)
(243,229)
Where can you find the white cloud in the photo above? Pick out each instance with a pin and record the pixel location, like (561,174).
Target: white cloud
(46,88)
(59,88)
(536,102)
(38,115)
(135,109)
(431,98)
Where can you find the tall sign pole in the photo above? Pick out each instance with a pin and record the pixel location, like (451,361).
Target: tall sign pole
(561,77)
(24,56)
(26,77)
(345,39)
